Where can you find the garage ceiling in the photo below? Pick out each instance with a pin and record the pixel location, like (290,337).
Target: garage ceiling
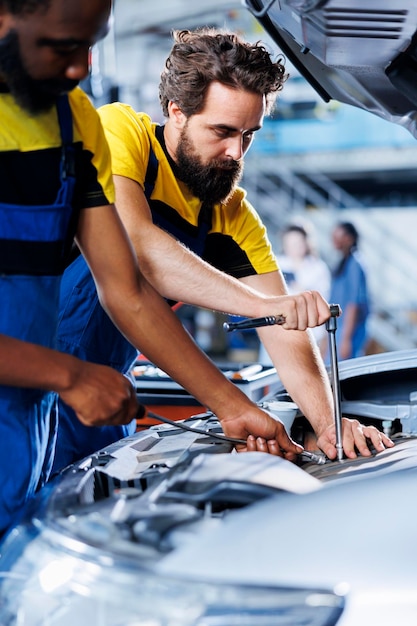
(135,17)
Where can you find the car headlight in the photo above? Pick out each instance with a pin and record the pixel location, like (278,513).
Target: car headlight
(55,580)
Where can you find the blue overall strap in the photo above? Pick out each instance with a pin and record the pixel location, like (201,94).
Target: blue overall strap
(196,238)
(67,171)
(151,173)
(34,239)
(65,124)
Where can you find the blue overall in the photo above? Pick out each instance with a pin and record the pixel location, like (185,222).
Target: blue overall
(86,331)
(34,241)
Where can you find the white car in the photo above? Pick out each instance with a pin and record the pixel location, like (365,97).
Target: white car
(172,528)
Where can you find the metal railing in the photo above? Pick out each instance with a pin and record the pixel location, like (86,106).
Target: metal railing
(280,194)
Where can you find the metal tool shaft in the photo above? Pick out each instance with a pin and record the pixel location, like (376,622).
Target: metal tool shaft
(331,326)
(304,455)
(254,322)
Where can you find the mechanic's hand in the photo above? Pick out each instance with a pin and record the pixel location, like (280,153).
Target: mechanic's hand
(263,433)
(303,310)
(355,438)
(101,396)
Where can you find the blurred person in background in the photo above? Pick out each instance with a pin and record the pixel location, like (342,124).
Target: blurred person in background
(349,290)
(304,269)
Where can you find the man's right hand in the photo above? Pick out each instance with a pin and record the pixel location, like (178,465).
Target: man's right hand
(262,433)
(301,311)
(101,396)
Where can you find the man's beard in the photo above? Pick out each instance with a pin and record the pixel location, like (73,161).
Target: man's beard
(35,96)
(210,183)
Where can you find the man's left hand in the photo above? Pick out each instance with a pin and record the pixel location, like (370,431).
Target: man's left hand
(355,437)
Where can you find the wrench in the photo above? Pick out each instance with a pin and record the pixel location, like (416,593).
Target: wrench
(254,322)
(304,455)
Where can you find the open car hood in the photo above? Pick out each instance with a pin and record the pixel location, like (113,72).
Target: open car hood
(378,388)
(360,52)
(170,519)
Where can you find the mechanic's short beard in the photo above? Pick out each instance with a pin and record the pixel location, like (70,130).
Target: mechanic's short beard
(35,96)
(211,183)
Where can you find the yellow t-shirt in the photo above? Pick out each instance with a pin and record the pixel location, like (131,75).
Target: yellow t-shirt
(30,154)
(236,243)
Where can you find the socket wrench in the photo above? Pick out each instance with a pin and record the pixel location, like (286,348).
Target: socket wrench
(331,327)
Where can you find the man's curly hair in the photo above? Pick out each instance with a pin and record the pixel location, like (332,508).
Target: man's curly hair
(205,55)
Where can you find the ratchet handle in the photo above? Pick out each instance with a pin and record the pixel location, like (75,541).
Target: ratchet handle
(335,312)
(270,320)
(255,322)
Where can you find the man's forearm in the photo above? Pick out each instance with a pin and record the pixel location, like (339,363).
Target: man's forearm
(302,372)
(174,270)
(297,360)
(28,365)
(179,274)
(149,324)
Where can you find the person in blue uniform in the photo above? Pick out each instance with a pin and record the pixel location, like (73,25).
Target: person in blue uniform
(56,184)
(195,233)
(349,289)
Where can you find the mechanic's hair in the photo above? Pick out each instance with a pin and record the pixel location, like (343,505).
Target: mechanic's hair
(205,55)
(303,231)
(20,7)
(350,230)
(295,228)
